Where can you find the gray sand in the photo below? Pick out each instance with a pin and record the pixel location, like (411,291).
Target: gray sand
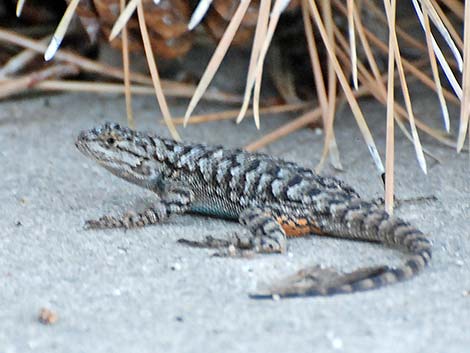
(140,291)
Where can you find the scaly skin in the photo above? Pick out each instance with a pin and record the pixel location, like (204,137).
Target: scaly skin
(272,198)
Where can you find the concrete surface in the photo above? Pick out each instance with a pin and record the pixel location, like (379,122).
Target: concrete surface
(139,291)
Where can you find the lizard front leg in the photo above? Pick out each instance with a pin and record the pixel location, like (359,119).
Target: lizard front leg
(177,201)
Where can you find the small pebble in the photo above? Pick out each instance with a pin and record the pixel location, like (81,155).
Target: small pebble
(47,317)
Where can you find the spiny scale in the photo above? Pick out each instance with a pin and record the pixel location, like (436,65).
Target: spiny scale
(272,198)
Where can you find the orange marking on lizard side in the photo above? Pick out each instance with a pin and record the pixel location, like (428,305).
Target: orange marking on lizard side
(298,228)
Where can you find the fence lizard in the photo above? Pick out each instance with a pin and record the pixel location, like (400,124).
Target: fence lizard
(272,198)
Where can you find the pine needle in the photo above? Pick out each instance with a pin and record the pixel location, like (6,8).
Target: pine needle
(123,18)
(278,8)
(328,147)
(19,7)
(260,35)
(465,105)
(352,41)
(292,126)
(390,10)
(456,6)
(419,74)
(231,114)
(61,29)
(20,60)
(448,24)
(22,83)
(443,30)
(199,13)
(127,78)
(154,73)
(347,90)
(71,57)
(217,57)
(434,68)
(390,135)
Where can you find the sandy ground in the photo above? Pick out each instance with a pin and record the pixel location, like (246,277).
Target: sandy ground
(140,291)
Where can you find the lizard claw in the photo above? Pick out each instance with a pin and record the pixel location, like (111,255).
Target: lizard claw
(233,251)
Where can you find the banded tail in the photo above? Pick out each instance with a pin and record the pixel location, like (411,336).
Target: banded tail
(362,221)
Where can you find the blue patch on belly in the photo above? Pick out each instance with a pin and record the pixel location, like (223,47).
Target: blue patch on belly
(213,212)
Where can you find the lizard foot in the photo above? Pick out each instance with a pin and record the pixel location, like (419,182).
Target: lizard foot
(237,246)
(103,223)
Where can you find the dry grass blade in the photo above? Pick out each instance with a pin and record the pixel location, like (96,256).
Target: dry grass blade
(19,7)
(127,78)
(376,88)
(352,41)
(65,55)
(443,30)
(260,34)
(113,88)
(154,73)
(297,124)
(378,91)
(347,90)
(231,114)
(369,54)
(434,68)
(320,89)
(448,24)
(123,18)
(60,31)
(440,56)
(456,6)
(199,13)
(407,38)
(23,83)
(217,57)
(278,8)
(19,61)
(465,106)
(390,9)
(176,89)
(390,135)
(329,147)
(315,60)
(414,70)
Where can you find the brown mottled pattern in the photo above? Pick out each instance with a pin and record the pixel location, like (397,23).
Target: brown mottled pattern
(271,197)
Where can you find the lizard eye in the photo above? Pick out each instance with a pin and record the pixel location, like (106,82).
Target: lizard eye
(110,140)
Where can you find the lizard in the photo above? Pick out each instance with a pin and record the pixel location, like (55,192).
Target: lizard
(272,198)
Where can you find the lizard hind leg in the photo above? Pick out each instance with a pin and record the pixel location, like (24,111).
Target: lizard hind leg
(264,235)
(267,234)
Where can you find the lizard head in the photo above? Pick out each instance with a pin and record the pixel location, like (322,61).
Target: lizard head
(119,149)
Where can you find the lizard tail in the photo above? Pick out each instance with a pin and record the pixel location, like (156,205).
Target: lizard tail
(362,221)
